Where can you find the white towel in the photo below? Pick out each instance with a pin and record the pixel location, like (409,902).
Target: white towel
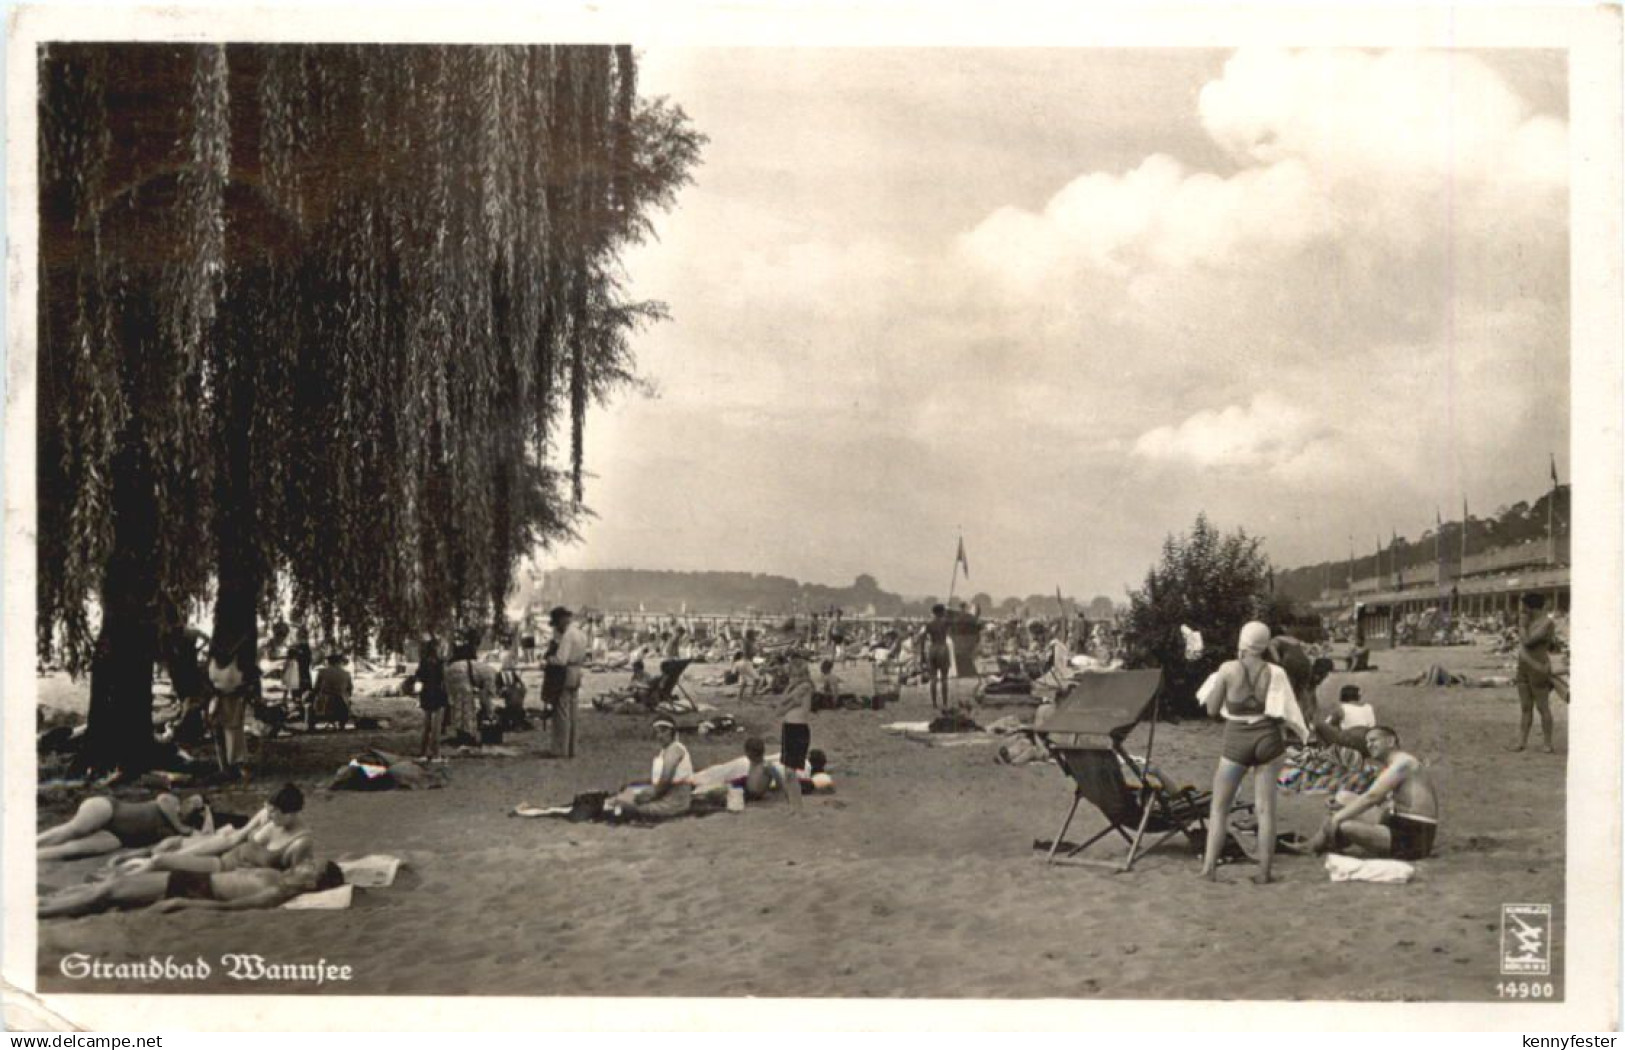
(335,899)
(1359,869)
(1281,702)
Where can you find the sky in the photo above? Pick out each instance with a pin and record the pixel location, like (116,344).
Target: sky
(1060,301)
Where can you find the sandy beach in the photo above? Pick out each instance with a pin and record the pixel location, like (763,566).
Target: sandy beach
(917,878)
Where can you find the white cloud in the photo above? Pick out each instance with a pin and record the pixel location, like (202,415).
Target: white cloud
(1357,286)
(1268,432)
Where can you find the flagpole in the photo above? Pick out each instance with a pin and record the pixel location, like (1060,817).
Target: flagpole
(1551,508)
(1463,570)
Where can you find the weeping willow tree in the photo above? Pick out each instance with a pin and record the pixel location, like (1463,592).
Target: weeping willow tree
(330,314)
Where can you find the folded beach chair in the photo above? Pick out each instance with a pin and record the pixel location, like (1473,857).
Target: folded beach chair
(1085,737)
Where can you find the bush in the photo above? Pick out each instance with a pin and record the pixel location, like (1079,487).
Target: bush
(1210,582)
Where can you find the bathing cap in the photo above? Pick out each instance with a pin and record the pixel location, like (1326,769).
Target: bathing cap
(1254,636)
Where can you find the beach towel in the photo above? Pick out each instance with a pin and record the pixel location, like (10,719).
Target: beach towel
(1325,770)
(335,899)
(1359,869)
(907,727)
(371,872)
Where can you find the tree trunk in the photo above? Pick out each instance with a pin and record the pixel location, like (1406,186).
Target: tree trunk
(118,734)
(239,574)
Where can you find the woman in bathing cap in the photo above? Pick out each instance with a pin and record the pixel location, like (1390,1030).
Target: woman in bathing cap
(1237,692)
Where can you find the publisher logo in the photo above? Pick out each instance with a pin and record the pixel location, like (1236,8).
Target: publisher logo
(1526,938)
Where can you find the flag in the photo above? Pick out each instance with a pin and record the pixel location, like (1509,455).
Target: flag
(959,559)
(1554,469)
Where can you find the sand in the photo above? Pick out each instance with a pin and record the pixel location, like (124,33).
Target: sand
(917,878)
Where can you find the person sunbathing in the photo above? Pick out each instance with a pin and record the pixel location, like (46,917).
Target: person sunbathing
(670,790)
(107,825)
(167,891)
(1411,817)
(275,838)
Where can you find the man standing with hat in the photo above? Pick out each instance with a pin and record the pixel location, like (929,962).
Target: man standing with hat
(561,679)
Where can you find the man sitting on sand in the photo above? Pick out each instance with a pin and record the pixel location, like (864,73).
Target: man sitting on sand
(1411,819)
(174,890)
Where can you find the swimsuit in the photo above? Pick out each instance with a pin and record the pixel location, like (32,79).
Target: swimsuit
(190,885)
(256,854)
(1253,743)
(1250,738)
(795,741)
(1410,836)
(138,824)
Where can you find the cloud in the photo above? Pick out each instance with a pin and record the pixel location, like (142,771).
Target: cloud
(1267,432)
(1350,276)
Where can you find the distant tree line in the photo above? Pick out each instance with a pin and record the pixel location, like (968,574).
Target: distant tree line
(721,592)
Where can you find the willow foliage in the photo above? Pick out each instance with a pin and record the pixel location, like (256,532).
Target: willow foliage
(355,301)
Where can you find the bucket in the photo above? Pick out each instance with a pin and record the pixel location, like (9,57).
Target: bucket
(736,800)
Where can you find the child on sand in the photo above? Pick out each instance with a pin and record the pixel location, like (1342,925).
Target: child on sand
(761,778)
(829,685)
(744,673)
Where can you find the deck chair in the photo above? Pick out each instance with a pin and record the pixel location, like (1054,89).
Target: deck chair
(666,693)
(1085,737)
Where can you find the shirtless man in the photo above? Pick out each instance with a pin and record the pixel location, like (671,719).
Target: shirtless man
(1411,820)
(937,658)
(173,890)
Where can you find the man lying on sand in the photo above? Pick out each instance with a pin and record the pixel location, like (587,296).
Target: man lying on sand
(107,825)
(1411,820)
(173,890)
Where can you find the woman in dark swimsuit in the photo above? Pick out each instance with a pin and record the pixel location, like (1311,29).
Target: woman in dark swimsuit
(107,825)
(1252,740)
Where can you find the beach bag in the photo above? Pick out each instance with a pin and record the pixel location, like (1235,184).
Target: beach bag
(490,733)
